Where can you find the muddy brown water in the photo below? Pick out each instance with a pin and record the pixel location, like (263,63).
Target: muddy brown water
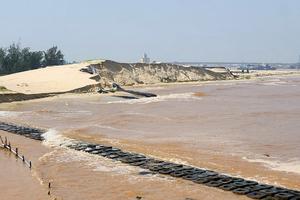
(18,182)
(241,128)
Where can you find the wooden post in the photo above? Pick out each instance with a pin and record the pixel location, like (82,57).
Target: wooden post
(7,145)
(1,139)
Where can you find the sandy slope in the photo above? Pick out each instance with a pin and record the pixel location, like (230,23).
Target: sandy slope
(69,77)
(48,79)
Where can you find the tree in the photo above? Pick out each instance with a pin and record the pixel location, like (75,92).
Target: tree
(16,59)
(13,59)
(53,57)
(32,59)
(36,59)
(2,57)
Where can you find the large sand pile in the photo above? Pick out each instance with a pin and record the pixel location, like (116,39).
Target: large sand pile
(82,76)
(49,79)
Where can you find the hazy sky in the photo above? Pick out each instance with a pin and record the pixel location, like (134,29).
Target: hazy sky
(168,30)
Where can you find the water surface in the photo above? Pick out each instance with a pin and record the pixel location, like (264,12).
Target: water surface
(242,128)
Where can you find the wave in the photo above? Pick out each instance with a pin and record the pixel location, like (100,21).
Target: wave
(148,115)
(65,113)
(9,113)
(160,98)
(63,154)
(275,83)
(293,165)
(53,139)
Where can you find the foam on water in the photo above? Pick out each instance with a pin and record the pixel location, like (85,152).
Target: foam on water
(64,113)
(79,112)
(117,129)
(181,96)
(223,83)
(105,165)
(9,113)
(293,165)
(149,115)
(275,83)
(62,154)
(94,162)
(53,139)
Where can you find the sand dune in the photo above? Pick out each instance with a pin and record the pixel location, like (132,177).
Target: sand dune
(49,79)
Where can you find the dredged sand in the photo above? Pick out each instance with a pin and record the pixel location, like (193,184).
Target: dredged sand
(49,79)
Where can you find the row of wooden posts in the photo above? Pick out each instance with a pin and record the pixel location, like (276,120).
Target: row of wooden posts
(7,145)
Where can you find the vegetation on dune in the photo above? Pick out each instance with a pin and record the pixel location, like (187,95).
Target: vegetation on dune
(16,59)
(2,88)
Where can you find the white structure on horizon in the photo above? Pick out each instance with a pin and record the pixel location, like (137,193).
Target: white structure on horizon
(145,59)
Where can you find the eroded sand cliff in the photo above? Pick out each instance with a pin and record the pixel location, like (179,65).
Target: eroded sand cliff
(139,73)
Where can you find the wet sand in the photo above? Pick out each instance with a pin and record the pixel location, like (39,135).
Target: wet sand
(247,129)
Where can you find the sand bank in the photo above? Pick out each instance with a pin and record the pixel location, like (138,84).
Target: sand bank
(49,79)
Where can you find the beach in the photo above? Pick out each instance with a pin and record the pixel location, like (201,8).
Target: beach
(150,100)
(244,128)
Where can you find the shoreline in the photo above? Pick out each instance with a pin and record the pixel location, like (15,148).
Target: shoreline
(6,98)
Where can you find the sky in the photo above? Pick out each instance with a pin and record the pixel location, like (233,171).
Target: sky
(167,30)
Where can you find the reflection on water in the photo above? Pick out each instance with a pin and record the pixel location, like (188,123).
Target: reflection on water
(225,126)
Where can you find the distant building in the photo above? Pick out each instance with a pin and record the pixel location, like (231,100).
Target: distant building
(145,59)
(296,65)
(257,67)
